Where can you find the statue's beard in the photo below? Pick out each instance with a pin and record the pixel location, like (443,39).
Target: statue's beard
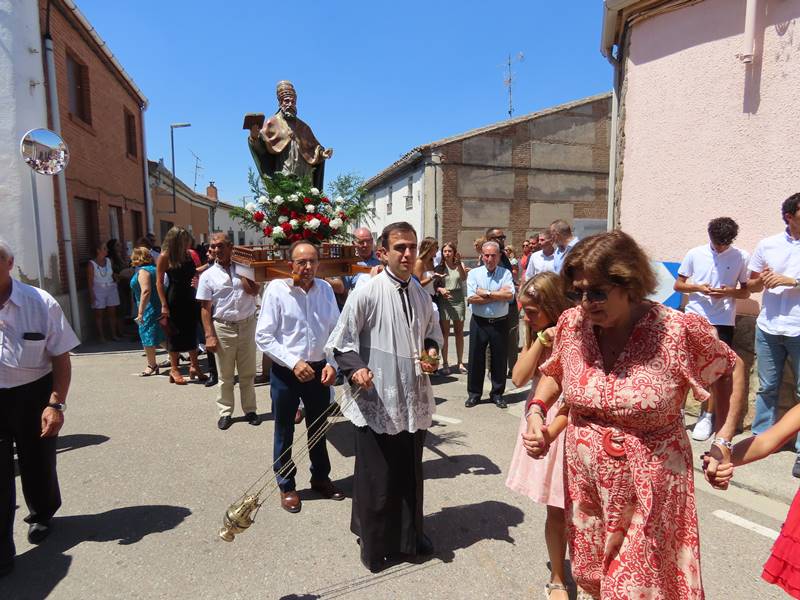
(289,113)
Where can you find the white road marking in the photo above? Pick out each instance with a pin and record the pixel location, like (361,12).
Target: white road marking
(449,420)
(742,522)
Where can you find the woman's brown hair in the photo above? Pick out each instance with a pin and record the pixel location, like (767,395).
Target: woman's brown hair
(547,290)
(175,246)
(141,256)
(426,247)
(612,258)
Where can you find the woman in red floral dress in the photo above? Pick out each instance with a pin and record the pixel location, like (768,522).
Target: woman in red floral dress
(625,365)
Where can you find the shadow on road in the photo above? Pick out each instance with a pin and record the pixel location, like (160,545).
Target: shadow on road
(75,441)
(458,527)
(38,571)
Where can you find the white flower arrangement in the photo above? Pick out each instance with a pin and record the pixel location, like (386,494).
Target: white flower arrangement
(282,220)
(336,223)
(278,234)
(313,224)
(310,208)
(294,198)
(278,200)
(295,224)
(251,207)
(339,200)
(263,200)
(314,191)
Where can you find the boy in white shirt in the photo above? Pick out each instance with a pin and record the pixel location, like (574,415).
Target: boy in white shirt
(718,273)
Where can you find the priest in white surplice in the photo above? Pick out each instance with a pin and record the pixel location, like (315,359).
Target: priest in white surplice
(385,327)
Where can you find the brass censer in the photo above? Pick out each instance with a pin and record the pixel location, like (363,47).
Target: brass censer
(239,516)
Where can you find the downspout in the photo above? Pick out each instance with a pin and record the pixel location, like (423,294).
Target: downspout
(611,219)
(748,43)
(148,199)
(55,121)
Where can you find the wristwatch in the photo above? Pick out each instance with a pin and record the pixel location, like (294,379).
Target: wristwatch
(59,406)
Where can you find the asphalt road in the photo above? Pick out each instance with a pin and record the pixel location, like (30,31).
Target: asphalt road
(146,477)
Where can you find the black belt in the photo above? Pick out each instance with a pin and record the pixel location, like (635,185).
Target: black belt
(320,364)
(490,321)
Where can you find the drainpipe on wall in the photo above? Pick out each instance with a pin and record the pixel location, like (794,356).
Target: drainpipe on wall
(66,228)
(148,200)
(611,217)
(748,43)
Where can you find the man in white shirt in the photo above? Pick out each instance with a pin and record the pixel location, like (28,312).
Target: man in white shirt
(561,231)
(228,312)
(544,259)
(35,373)
(718,274)
(297,316)
(775,269)
(490,287)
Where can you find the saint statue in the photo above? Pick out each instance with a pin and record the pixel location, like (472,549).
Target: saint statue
(284,143)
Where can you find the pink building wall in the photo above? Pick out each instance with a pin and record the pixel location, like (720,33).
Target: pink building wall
(705,135)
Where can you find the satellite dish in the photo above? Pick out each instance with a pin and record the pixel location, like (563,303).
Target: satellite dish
(44,151)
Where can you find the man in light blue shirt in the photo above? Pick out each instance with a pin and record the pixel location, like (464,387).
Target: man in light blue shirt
(561,232)
(490,288)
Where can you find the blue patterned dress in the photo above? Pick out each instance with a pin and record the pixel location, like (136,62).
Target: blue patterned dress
(150,331)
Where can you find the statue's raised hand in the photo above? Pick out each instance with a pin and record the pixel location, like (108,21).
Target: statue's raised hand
(254,131)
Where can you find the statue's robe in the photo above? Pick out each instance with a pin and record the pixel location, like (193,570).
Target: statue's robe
(288,146)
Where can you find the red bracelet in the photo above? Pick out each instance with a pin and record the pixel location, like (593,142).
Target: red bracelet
(536,402)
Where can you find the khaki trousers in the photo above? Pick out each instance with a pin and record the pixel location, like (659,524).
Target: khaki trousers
(236,353)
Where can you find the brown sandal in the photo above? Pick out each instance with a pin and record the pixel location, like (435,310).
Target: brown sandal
(176,378)
(552,587)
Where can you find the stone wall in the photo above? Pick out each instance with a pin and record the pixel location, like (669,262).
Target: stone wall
(524,176)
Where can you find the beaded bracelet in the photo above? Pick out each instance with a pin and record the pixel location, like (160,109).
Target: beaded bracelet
(538,404)
(722,442)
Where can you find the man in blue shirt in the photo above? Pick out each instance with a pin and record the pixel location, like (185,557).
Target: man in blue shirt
(365,248)
(564,241)
(490,288)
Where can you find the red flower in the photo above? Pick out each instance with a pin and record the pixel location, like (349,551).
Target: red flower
(268,230)
(287,228)
(294,214)
(283,211)
(307,200)
(325,200)
(342,215)
(309,217)
(296,237)
(307,233)
(258,216)
(324,220)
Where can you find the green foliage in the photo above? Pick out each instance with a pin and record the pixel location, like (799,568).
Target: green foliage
(288,208)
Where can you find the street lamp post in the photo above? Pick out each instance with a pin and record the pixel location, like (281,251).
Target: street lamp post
(172,128)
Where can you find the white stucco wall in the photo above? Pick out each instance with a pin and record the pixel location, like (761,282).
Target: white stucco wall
(399,185)
(23,107)
(224,222)
(706,136)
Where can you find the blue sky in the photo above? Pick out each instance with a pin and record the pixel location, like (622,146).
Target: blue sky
(374,79)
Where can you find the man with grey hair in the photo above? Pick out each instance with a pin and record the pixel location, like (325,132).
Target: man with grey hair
(35,373)
(561,232)
(490,288)
(228,312)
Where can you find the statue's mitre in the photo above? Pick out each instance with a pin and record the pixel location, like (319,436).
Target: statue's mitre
(285,88)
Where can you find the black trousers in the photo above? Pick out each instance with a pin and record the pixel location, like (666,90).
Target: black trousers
(21,426)
(388,492)
(286,392)
(492,333)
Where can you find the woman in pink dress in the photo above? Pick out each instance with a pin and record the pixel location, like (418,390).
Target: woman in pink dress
(542,299)
(625,365)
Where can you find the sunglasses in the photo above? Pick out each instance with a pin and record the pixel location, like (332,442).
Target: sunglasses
(220,245)
(588,295)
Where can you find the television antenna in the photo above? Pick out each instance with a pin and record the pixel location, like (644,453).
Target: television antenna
(197,168)
(509,80)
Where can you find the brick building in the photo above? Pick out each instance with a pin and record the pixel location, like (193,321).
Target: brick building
(519,174)
(191,210)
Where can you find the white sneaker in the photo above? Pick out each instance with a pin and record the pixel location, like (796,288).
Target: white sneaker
(704,427)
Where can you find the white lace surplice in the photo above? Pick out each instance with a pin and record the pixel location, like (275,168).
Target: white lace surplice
(374,325)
